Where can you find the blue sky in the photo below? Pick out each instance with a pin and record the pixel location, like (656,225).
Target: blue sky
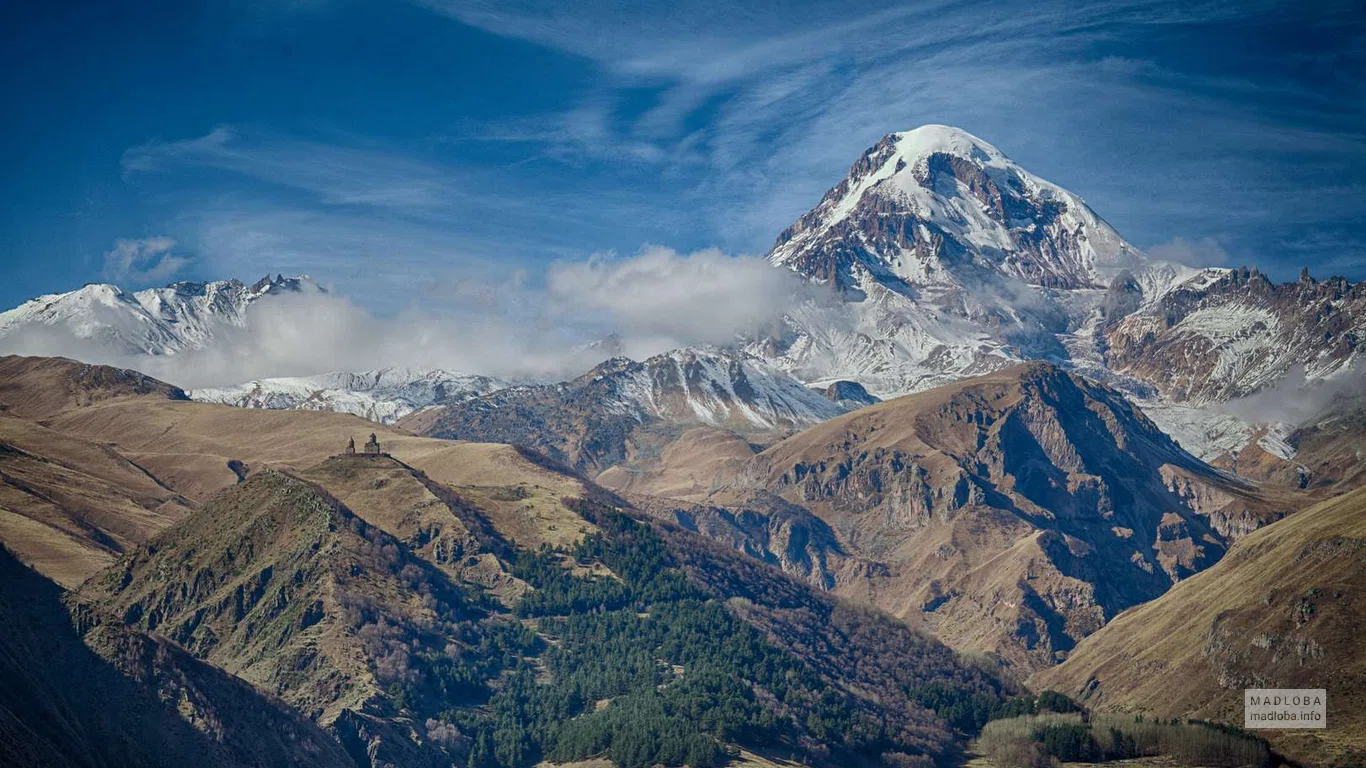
(400,150)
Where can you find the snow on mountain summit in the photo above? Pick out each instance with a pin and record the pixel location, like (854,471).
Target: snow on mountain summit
(156,321)
(947,259)
(936,206)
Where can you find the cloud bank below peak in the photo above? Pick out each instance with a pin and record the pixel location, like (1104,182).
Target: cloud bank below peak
(514,326)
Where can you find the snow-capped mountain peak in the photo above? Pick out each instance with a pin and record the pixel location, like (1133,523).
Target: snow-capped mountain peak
(937,206)
(156,321)
(949,259)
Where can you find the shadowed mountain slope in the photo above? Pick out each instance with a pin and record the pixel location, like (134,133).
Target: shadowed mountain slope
(126,698)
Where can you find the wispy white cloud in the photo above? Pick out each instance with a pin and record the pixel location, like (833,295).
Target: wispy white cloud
(660,299)
(143,262)
(376,221)
(763,111)
(335,173)
(1202,252)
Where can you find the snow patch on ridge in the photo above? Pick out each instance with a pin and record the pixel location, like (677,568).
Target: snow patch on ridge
(384,395)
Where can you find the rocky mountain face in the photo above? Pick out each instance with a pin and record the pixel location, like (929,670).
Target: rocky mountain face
(1016,512)
(1323,456)
(937,204)
(278,583)
(602,418)
(384,395)
(1226,334)
(156,321)
(1283,609)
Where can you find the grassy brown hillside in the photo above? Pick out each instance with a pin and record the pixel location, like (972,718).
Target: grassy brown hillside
(125,698)
(69,506)
(265,581)
(39,387)
(1014,513)
(1285,608)
(94,460)
(690,468)
(199,449)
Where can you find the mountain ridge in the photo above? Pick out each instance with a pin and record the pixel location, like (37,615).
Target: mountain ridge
(596,421)
(155,321)
(1014,512)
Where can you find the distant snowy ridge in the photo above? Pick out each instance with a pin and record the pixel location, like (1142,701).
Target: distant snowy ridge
(384,395)
(622,407)
(711,386)
(156,321)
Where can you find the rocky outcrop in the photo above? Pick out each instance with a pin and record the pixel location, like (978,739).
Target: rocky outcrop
(1230,333)
(765,527)
(1016,512)
(850,392)
(1281,610)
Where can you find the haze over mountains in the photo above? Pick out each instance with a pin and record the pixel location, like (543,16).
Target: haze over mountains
(982,416)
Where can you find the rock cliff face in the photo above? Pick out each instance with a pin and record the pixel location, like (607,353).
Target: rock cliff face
(1015,512)
(1282,610)
(1226,334)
